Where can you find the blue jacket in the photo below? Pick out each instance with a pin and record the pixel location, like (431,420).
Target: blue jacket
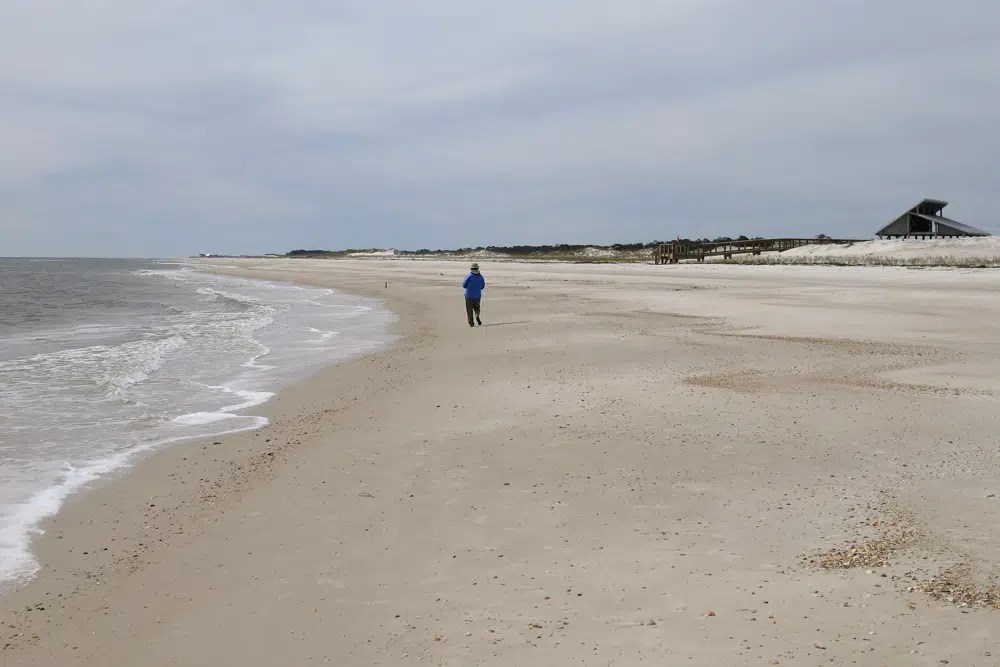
(474,285)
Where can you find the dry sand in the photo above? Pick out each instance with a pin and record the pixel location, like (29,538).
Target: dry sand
(708,465)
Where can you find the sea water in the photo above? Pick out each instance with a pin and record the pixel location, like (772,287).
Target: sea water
(103,359)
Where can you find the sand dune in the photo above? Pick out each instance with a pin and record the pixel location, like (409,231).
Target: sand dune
(959,250)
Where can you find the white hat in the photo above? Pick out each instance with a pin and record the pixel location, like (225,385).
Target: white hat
(475,266)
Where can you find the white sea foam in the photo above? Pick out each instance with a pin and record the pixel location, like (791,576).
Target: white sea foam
(133,362)
(202,418)
(178,273)
(323,335)
(20,523)
(250,399)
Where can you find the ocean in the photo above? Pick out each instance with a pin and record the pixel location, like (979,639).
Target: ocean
(101,360)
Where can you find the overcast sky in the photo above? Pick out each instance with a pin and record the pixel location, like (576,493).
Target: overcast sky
(174,127)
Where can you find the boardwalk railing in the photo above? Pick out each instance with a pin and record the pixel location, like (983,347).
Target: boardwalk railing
(671,253)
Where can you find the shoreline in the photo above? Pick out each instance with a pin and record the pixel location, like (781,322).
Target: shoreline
(99,533)
(224,419)
(588,468)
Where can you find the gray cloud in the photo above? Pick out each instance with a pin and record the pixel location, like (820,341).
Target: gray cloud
(254,126)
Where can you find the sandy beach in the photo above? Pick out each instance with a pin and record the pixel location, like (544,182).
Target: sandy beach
(685,465)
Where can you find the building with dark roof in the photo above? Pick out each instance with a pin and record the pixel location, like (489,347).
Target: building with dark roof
(925,221)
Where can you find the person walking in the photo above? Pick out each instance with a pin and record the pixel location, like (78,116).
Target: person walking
(474,285)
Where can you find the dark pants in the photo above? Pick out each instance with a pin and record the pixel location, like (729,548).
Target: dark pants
(472,306)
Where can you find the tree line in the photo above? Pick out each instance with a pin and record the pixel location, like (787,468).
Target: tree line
(521,250)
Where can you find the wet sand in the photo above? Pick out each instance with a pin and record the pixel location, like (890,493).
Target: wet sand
(699,465)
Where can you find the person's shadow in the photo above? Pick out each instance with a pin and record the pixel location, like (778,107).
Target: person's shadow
(503,324)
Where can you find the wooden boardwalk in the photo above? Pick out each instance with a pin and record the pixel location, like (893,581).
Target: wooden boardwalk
(671,253)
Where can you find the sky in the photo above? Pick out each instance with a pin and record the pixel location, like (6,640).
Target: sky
(175,127)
